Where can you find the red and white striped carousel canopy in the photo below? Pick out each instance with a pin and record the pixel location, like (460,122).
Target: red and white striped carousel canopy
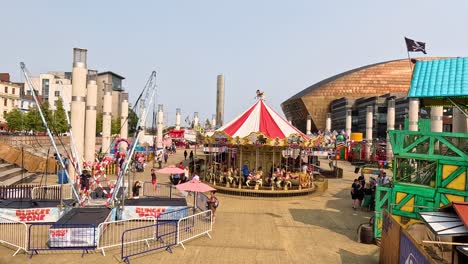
(260,118)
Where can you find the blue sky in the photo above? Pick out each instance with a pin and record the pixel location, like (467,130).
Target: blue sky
(280,47)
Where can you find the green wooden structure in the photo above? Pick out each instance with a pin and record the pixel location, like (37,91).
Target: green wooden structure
(430,171)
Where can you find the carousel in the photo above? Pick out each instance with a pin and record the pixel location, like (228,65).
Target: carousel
(259,152)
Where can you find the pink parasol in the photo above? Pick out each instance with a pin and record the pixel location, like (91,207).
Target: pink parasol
(195,186)
(171,170)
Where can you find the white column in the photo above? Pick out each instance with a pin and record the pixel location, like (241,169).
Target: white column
(177,119)
(220,100)
(328,123)
(309,125)
(459,121)
(160,126)
(437,114)
(349,122)
(413,114)
(390,126)
(195,119)
(78,104)
(106,118)
(90,124)
(124,124)
(369,128)
(213,122)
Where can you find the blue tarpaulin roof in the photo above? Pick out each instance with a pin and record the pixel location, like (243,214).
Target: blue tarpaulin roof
(440,78)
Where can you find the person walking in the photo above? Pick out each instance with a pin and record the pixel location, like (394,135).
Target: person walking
(213,203)
(153,179)
(185,154)
(191,155)
(166,156)
(355,189)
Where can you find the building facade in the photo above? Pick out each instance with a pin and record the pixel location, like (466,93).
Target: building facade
(50,87)
(119,94)
(9,98)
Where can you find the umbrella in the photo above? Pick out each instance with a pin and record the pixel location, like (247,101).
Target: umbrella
(171,170)
(195,186)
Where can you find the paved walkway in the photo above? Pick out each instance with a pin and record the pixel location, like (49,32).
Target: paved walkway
(320,228)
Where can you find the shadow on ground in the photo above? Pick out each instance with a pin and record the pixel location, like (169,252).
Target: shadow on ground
(339,216)
(350,257)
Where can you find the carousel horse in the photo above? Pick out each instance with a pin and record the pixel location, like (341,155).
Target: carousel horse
(304,180)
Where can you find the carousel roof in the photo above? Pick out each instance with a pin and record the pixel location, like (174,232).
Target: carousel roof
(260,118)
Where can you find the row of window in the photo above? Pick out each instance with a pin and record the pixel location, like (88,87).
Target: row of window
(12,90)
(5,102)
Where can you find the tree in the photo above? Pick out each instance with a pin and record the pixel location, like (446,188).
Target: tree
(115,126)
(32,120)
(207,124)
(48,115)
(60,120)
(99,124)
(15,120)
(132,121)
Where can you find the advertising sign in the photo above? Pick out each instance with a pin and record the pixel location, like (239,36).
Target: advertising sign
(133,212)
(409,253)
(33,215)
(71,237)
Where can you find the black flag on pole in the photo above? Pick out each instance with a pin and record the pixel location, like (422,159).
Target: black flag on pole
(415,46)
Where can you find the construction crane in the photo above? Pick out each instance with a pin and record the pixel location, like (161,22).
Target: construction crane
(44,122)
(148,93)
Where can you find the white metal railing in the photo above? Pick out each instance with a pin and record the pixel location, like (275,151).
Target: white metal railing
(14,233)
(194,226)
(110,233)
(52,192)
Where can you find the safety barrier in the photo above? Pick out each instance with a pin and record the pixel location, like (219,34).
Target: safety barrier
(163,235)
(162,190)
(175,214)
(194,226)
(50,236)
(16,192)
(14,233)
(111,232)
(52,192)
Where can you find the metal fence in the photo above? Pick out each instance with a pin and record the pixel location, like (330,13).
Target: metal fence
(49,236)
(110,233)
(14,233)
(194,226)
(175,214)
(16,192)
(163,235)
(202,201)
(52,192)
(160,190)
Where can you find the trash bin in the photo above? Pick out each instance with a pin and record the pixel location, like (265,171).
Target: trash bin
(62,177)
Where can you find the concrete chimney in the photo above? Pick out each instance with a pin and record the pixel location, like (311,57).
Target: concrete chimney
(106,118)
(220,101)
(390,126)
(90,123)
(78,102)
(309,125)
(160,126)
(369,128)
(195,119)
(124,119)
(413,114)
(328,123)
(177,119)
(349,122)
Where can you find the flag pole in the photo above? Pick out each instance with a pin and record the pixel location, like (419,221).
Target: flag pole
(409,57)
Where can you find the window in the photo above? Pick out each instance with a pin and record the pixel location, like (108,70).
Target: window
(13,90)
(6,89)
(29,92)
(5,102)
(45,89)
(4,114)
(57,93)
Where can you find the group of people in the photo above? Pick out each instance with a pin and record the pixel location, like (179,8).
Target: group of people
(363,192)
(160,156)
(190,156)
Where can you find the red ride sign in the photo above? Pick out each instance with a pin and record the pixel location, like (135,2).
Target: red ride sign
(154,212)
(32,215)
